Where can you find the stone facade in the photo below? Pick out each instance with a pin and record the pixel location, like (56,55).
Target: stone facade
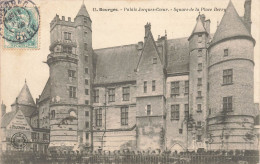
(170,94)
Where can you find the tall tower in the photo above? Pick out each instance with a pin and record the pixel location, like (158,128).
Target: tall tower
(150,96)
(70,63)
(198,82)
(83,32)
(231,85)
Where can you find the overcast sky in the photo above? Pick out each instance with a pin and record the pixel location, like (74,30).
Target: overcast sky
(113,29)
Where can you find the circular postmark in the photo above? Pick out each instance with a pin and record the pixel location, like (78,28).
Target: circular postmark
(19,140)
(20,20)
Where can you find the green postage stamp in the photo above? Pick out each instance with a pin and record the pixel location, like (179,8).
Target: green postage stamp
(20,22)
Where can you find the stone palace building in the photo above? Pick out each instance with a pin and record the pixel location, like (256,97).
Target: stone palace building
(169,94)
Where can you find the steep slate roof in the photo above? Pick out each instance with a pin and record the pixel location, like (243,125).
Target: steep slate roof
(25,97)
(83,11)
(117,64)
(178,56)
(199,28)
(231,25)
(149,38)
(6,119)
(46,91)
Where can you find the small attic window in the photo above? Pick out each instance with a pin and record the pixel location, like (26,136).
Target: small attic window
(200,38)
(225,52)
(85,20)
(154,60)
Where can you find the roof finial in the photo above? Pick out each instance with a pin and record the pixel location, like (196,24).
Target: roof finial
(165,33)
(25,81)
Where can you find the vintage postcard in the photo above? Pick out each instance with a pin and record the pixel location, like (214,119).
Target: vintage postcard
(127,81)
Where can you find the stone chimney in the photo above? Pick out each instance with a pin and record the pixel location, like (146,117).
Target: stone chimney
(247,14)
(3,109)
(203,17)
(147,28)
(207,25)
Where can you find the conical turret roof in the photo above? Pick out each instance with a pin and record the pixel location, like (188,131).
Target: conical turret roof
(199,28)
(231,25)
(83,11)
(25,97)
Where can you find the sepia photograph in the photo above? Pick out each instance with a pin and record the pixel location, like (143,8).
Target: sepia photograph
(127,81)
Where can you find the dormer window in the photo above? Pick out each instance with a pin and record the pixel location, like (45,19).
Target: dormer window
(154,60)
(225,52)
(85,20)
(67,35)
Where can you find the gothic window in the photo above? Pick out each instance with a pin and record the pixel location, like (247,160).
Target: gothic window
(86,124)
(148,110)
(199,94)
(186,110)
(85,46)
(227,104)
(200,67)
(199,81)
(186,87)
(86,81)
(67,35)
(111,94)
(86,113)
(87,136)
(227,76)
(180,131)
(154,60)
(126,93)
(175,112)
(86,102)
(175,88)
(199,108)
(199,52)
(153,85)
(96,95)
(199,138)
(99,117)
(52,114)
(86,70)
(225,52)
(124,116)
(72,92)
(71,73)
(145,86)
(86,91)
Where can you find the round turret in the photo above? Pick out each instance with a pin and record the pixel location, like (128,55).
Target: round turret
(231,84)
